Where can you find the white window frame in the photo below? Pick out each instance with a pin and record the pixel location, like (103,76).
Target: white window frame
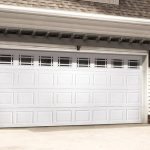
(134,67)
(45,64)
(64,65)
(5,56)
(101,59)
(117,60)
(26,64)
(81,65)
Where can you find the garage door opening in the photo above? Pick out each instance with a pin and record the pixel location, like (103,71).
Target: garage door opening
(52,89)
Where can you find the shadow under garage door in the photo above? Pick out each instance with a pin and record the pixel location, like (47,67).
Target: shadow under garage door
(51,88)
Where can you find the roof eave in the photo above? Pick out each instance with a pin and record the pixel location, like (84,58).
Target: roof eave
(50,19)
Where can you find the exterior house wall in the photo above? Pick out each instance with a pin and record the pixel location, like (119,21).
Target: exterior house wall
(149,91)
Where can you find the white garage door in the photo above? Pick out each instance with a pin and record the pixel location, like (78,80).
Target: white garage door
(49,88)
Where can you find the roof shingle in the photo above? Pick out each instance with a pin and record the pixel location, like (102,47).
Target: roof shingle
(131,8)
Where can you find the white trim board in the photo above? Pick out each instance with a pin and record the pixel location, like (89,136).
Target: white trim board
(67,48)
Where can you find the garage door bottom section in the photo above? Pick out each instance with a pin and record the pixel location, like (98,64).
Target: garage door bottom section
(52,89)
(68,116)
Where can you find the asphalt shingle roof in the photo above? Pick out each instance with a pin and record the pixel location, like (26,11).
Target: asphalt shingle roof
(132,8)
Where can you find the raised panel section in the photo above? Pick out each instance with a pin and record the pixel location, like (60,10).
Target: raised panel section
(82,115)
(45,97)
(65,80)
(133,98)
(82,98)
(100,115)
(26,78)
(117,81)
(82,80)
(64,98)
(44,117)
(133,115)
(100,80)
(6,79)
(6,117)
(100,98)
(63,116)
(46,80)
(6,98)
(117,98)
(133,82)
(117,116)
(26,98)
(24,117)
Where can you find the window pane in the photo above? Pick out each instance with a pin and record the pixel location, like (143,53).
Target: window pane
(117,63)
(133,63)
(6,59)
(25,60)
(83,62)
(101,63)
(45,61)
(64,61)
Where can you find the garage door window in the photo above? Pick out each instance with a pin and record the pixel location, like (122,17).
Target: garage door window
(83,62)
(26,60)
(64,61)
(117,63)
(45,61)
(101,63)
(6,59)
(133,64)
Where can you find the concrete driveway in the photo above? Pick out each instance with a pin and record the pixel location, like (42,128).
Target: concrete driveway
(111,137)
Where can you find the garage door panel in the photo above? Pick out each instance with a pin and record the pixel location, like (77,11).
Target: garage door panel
(100,115)
(100,80)
(26,79)
(100,98)
(83,98)
(133,115)
(83,80)
(82,116)
(117,81)
(63,116)
(6,98)
(45,117)
(117,115)
(45,98)
(46,80)
(133,98)
(65,80)
(25,98)
(63,98)
(6,79)
(133,81)
(117,98)
(6,118)
(24,117)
